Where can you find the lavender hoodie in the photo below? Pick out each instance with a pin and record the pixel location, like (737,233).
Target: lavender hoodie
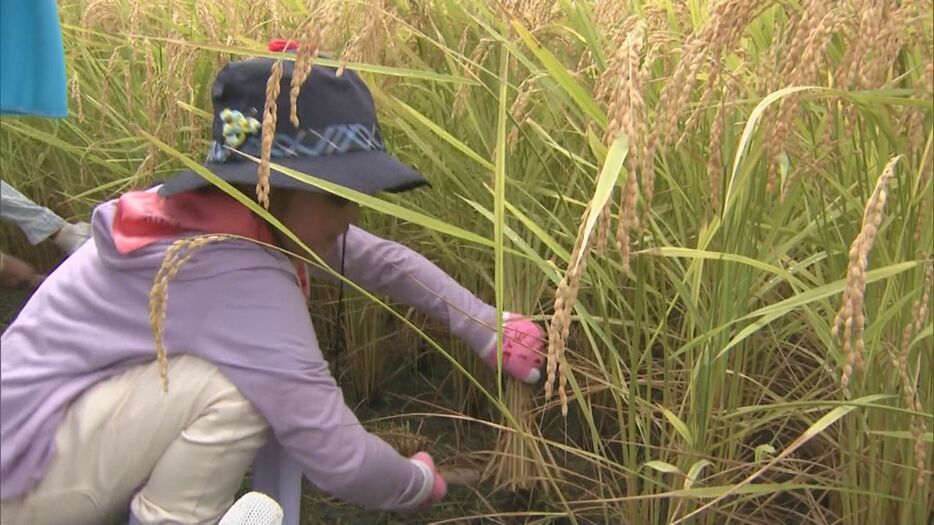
(239,306)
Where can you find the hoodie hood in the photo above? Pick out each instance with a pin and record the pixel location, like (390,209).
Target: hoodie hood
(133,232)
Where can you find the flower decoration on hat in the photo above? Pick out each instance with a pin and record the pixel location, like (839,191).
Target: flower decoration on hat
(238,127)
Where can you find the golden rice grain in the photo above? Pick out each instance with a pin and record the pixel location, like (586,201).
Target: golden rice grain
(565,297)
(627,114)
(176,255)
(715,155)
(270,114)
(850,320)
(74,90)
(802,72)
(471,70)
(109,70)
(304,61)
(603,228)
(919,315)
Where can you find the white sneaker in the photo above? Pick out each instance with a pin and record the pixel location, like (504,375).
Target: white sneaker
(71,236)
(254,508)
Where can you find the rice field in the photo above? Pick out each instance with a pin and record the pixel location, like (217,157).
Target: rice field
(720,210)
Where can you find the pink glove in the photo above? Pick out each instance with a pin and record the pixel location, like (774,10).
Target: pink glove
(523,349)
(439,487)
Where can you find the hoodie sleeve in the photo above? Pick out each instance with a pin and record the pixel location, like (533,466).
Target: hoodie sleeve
(260,336)
(391,269)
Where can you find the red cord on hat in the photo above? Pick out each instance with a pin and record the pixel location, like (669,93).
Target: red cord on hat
(281,44)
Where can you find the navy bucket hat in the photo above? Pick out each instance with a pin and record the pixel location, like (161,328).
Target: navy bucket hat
(338,138)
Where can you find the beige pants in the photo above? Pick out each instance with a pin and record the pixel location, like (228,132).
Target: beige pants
(173,458)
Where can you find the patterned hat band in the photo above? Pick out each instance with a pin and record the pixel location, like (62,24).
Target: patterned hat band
(336,139)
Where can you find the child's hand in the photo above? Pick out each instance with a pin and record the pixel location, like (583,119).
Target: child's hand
(523,349)
(439,486)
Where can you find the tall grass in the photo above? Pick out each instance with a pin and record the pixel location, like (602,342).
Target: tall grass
(736,144)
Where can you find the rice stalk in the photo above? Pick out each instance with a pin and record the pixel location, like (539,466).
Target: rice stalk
(709,91)
(534,15)
(151,84)
(471,70)
(627,220)
(924,89)
(208,20)
(627,113)
(74,93)
(560,325)
(603,229)
(516,467)
(178,57)
(715,155)
(727,21)
(925,205)
(270,115)
(520,110)
(861,40)
(889,30)
(176,255)
(100,13)
(304,61)
(369,43)
(850,319)
(109,71)
(909,385)
(402,438)
(800,72)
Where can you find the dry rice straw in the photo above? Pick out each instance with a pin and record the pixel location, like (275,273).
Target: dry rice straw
(514,465)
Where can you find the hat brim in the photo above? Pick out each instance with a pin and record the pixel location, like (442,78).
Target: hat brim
(369,172)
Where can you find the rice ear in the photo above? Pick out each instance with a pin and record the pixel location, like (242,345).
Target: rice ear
(176,255)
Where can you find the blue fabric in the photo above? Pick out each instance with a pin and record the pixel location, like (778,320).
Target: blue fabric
(32,60)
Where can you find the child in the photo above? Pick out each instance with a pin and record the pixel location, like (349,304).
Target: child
(86,427)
